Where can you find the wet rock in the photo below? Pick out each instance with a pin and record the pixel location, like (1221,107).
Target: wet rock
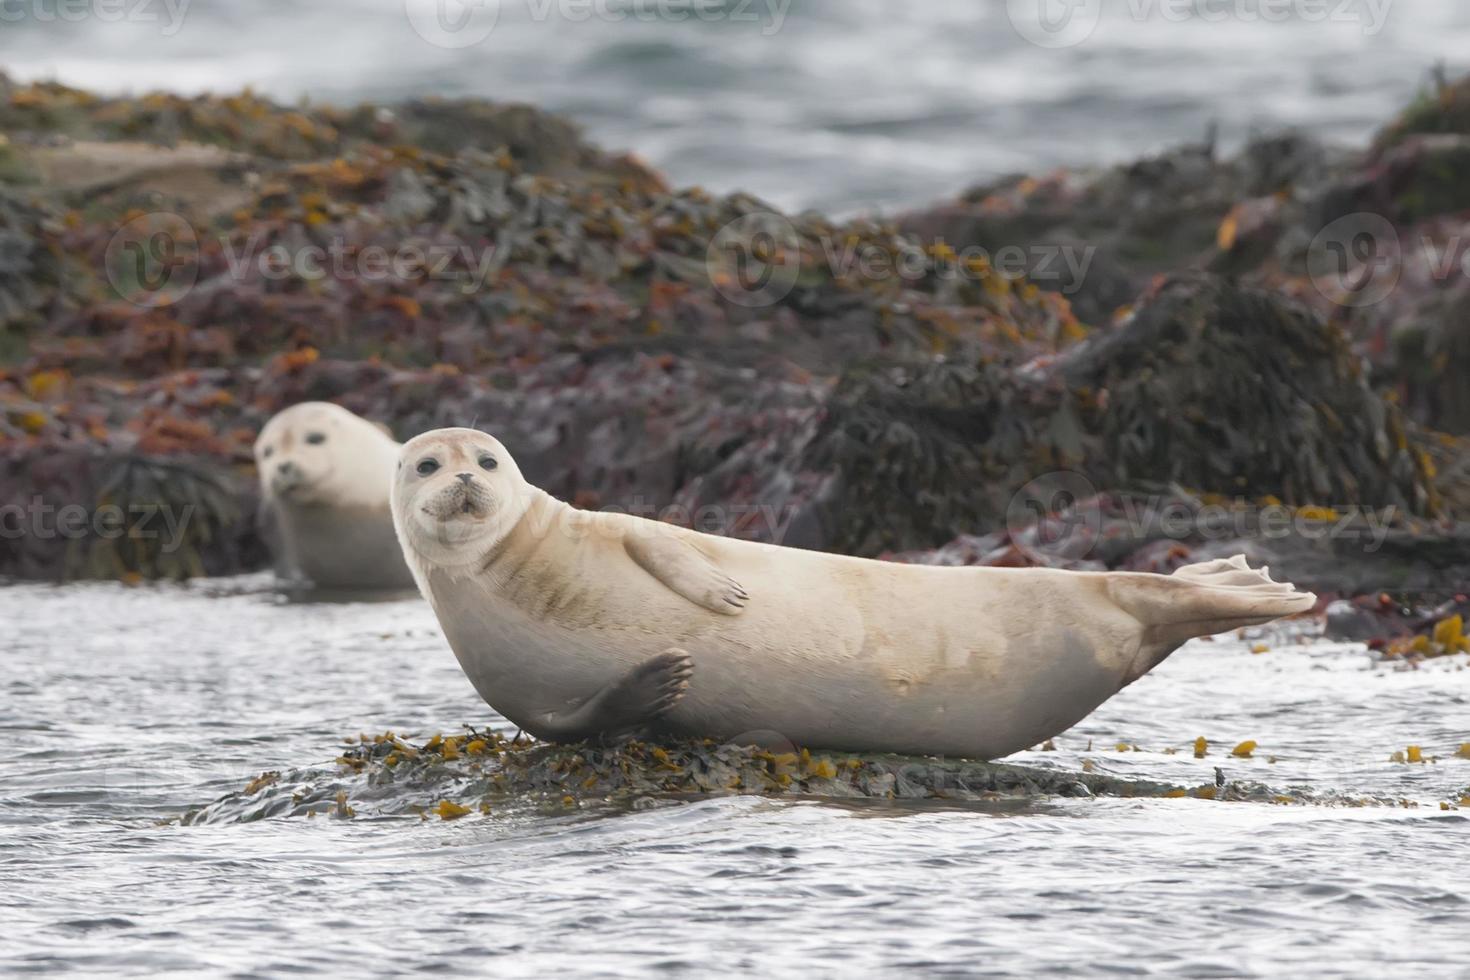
(484,773)
(1158,215)
(1442,108)
(1236,391)
(893,395)
(1231,392)
(79,514)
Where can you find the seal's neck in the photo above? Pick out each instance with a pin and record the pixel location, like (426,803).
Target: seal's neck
(537,523)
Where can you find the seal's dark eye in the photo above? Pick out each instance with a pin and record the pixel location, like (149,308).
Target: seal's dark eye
(428,466)
(266,453)
(488,462)
(316,438)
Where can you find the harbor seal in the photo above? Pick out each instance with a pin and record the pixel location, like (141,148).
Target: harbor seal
(574,624)
(325,480)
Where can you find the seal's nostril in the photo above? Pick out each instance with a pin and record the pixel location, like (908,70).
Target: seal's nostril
(465,478)
(286,467)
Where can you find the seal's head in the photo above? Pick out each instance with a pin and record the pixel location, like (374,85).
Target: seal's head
(456,495)
(319,454)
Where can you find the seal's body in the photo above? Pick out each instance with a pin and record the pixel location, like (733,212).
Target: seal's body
(573,624)
(325,477)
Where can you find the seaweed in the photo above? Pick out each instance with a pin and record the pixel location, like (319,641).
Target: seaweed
(483,772)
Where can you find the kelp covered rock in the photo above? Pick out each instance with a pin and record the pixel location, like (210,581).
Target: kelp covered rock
(1234,391)
(583,311)
(29,269)
(891,395)
(1372,240)
(1133,221)
(248,124)
(1228,391)
(1443,108)
(123,516)
(485,773)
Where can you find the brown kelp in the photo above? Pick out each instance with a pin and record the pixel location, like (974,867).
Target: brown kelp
(695,357)
(484,773)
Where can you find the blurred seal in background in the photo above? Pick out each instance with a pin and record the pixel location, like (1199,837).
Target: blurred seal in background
(325,479)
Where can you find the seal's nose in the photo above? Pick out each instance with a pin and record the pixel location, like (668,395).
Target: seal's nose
(465,478)
(287,468)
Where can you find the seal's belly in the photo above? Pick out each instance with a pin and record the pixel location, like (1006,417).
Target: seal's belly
(933,662)
(910,660)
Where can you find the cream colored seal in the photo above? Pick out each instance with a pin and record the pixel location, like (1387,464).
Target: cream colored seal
(573,624)
(325,478)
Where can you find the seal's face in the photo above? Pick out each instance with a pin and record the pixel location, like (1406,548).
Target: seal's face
(457,493)
(317,453)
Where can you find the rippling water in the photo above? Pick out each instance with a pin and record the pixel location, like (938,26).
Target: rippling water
(840,105)
(123,707)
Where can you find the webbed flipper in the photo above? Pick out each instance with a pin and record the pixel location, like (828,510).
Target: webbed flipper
(637,699)
(685,569)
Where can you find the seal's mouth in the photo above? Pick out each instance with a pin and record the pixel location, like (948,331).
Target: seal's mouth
(296,489)
(460,501)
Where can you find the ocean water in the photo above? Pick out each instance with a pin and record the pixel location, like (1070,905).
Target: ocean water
(839,105)
(123,707)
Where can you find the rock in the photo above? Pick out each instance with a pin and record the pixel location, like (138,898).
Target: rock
(1130,223)
(833,385)
(484,773)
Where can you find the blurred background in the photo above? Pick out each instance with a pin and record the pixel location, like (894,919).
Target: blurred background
(839,105)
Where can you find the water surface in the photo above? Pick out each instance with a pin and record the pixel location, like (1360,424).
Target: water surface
(123,707)
(839,105)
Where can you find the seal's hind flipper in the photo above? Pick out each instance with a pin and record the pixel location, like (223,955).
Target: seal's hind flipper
(685,569)
(1212,597)
(637,699)
(1202,600)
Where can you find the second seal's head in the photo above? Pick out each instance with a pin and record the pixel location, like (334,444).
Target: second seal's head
(456,495)
(316,454)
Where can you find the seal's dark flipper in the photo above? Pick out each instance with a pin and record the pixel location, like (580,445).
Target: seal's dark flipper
(638,698)
(682,567)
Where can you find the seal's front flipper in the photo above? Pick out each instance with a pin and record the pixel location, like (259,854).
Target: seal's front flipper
(638,698)
(681,566)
